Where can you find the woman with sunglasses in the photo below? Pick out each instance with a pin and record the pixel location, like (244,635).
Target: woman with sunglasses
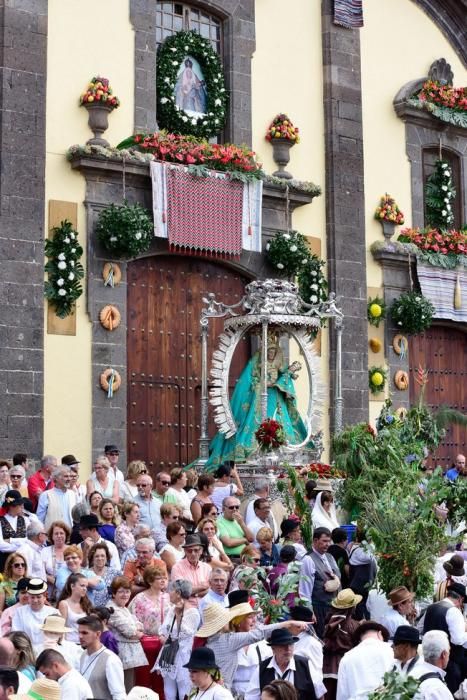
(16,568)
(173,552)
(103,480)
(129,490)
(203,498)
(244,575)
(125,532)
(21,598)
(17,480)
(178,481)
(73,556)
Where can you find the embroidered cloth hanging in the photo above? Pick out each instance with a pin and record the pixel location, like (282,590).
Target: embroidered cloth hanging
(446,289)
(348,13)
(213,215)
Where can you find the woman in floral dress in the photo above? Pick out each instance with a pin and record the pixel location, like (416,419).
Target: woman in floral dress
(124,534)
(99,562)
(150,607)
(127,630)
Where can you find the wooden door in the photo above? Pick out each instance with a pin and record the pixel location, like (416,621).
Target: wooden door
(443,352)
(164,354)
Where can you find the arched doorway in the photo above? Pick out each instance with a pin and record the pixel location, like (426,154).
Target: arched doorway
(164,353)
(442,350)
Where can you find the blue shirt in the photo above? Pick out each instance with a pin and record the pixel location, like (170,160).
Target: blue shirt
(452,474)
(149,511)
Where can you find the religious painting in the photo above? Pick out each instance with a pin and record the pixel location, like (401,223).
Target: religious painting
(190,88)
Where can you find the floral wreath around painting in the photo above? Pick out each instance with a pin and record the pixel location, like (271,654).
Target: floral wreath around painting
(191,93)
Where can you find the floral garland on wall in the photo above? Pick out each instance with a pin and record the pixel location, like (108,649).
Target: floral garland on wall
(439,193)
(177,51)
(64,269)
(443,101)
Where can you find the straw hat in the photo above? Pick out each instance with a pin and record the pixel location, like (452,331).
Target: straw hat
(55,624)
(399,595)
(346,599)
(215,618)
(36,586)
(140,693)
(239,604)
(323,485)
(41,688)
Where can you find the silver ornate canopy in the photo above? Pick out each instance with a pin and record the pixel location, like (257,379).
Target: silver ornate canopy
(268,305)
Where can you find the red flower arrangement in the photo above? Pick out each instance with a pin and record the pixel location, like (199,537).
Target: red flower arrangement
(444,95)
(281,127)
(388,210)
(188,150)
(270,435)
(434,241)
(99,90)
(324,471)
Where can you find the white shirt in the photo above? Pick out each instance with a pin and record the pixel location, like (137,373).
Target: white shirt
(29,621)
(307,574)
(392,620)
(456,625)
(361,669)
(312,649)
(432,688)
(32,552)
(74,687)
(113,671)
(67,499)
(215,692)
(253,692)
(221,492)
(255,526)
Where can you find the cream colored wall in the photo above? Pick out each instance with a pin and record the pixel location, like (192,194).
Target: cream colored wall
(398,44)
(287,77)
(85,38)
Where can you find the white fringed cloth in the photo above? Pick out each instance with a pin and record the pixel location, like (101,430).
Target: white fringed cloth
(438,285)
(211,215)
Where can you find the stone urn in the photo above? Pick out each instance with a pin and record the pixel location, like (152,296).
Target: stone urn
(389,228)
(98,122)
(281,154)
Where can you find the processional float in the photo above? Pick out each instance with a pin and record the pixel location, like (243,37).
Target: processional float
(269,307)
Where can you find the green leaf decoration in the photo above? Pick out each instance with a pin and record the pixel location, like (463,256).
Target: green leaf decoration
(125,230)
(377,379)
(439,196)
(64,269)
(171,57)
(376,311)
(412,313)
(288,252)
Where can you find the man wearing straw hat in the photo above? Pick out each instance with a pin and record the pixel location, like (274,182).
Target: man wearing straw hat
(41,689)
(54,667)
(29,618)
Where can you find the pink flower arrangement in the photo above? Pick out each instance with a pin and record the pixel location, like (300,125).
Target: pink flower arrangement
(444,95)
(434,241)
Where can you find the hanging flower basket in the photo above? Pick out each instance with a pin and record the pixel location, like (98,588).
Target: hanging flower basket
(288,252)
(412,313)
(125,230)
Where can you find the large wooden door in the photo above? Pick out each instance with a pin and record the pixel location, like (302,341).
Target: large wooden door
(164,354)
(443,352)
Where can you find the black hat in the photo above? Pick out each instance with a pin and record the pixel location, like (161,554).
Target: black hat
(369,626)
(70,460)
(238,597)
(90,520)
(454,566)
(22,585)
(192,540)
(281,638)
(28,505)
(111,448)
(13,498)
(202,659)
(289,525)
(301,613)
(457,588)
(407,634)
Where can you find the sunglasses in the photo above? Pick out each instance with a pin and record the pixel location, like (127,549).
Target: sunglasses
(233,507)
(114,454)
(143,471)
(256,561)
(17,564)
(164,483)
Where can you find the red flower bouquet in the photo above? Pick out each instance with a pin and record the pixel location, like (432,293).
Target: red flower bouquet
(270,435)
(434,241)
(444,95)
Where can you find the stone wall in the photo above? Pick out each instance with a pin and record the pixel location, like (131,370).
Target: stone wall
(23,61)
(345,220)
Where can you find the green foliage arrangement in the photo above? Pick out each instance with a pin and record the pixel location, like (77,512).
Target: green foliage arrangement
(125,230)
(64,269)
(439,194)
(293,492)
(396,686)
(312,283)
(276,609)
(376,311)
(377,378)
(288,252)
(171,55)
(412,312)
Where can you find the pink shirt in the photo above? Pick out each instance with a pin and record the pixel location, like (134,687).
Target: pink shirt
(196,575)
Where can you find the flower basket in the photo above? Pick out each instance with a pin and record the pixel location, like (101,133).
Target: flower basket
(99,101)
(412,313)
(270,435)
(288,252)
(125,230)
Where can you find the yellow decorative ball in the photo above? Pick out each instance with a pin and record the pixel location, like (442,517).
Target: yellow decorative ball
(376,310)
(377,379)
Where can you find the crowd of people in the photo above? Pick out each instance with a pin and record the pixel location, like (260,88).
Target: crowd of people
(134,587)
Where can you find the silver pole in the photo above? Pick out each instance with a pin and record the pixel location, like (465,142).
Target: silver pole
(204,438)
(339,401)
(264,371)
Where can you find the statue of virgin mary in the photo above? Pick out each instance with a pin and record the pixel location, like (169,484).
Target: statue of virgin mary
(246,408)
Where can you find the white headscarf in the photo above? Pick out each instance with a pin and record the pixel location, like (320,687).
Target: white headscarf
(321,518)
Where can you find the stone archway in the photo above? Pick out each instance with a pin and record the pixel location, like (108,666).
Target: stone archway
(164,353)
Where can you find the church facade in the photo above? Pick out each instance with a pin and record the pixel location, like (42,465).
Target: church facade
(348,90)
